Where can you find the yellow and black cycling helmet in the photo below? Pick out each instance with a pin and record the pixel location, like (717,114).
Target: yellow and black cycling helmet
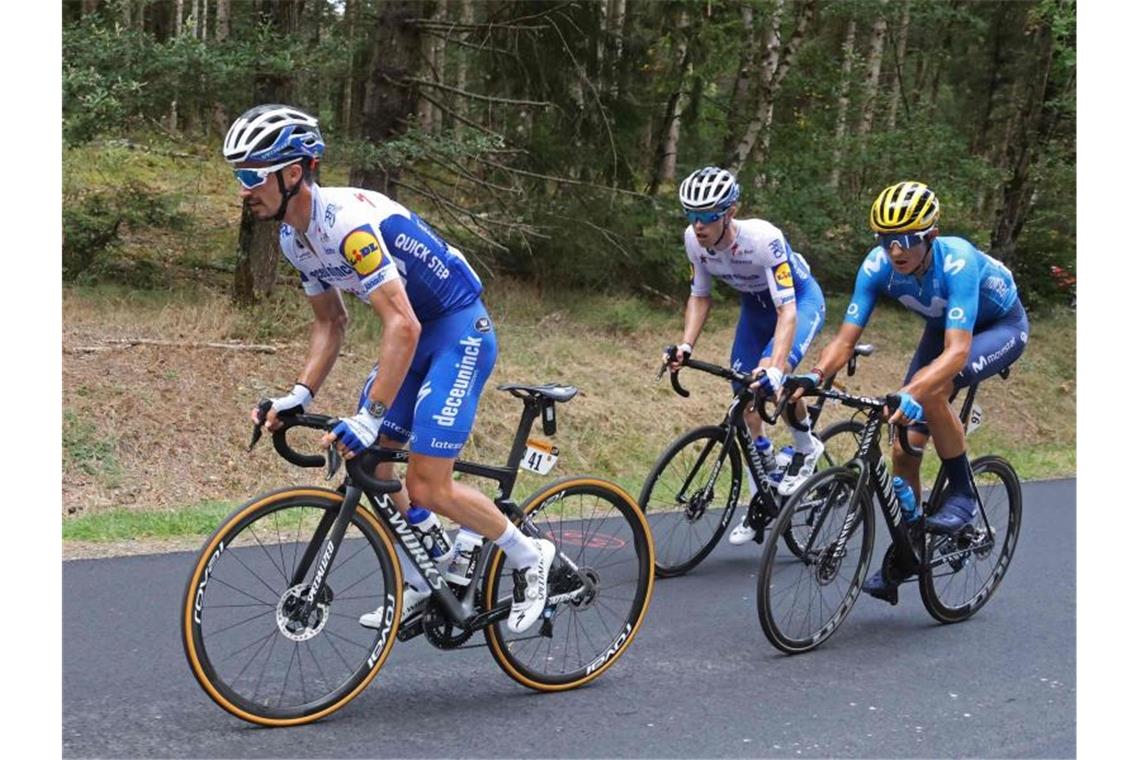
(906,207)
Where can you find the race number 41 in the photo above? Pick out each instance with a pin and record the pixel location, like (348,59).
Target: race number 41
(540,456)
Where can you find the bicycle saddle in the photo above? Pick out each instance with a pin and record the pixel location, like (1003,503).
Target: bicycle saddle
(864,349)
(552,391)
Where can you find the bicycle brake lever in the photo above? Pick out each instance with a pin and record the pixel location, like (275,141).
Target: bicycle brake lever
(332,462)
(263,408)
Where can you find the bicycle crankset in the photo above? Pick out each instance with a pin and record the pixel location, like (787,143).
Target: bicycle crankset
(439,629)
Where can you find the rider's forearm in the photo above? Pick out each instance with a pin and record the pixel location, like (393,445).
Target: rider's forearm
(325,339)
(784,335)
(696,313)
(839,350)
(397,347)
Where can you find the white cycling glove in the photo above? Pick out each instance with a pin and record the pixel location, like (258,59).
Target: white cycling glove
(359,431)
(297,400)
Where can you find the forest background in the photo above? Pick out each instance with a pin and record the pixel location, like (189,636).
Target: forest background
(545,139)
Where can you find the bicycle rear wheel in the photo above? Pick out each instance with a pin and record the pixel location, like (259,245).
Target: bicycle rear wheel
(802,599)
(241,634)
(964,571)
(689,498)
(603,574)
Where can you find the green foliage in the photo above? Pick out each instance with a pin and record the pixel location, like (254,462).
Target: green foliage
(93,222)
(126,524)
(86,451)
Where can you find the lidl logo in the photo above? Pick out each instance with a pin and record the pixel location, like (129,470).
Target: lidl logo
(362,250)
(783,275)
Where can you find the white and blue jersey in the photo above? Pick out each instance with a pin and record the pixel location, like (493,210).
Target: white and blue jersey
(767,273)
(961,288)
(358,240)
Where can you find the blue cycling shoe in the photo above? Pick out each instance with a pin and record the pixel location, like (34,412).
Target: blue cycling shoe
(881,588)
(957,511)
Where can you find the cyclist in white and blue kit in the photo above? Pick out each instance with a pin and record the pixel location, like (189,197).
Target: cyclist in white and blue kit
(975,327)
(781,305)
(438,345)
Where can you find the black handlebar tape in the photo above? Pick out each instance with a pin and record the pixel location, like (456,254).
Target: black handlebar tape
(677,385)
(360,469)
(289,454)
(901,431)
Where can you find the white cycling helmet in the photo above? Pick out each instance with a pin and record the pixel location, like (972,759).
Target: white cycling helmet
(273,133)
(709,189)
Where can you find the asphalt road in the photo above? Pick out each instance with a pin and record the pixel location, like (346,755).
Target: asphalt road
(700,680)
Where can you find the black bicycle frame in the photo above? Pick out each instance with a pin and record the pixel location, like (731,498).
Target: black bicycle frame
(330,531)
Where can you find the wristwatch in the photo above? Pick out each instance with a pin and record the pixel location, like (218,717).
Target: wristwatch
(375,408)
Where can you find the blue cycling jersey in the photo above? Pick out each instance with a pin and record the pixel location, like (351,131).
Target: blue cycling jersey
(961,288)
(358,239)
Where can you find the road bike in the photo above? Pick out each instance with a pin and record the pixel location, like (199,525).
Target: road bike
(803,598)
(270,614)
(691,495)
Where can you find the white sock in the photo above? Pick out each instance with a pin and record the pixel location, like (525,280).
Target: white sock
(412,575)
(520,550)
(802,439)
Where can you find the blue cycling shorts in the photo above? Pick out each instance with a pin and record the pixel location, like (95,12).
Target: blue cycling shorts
(435,406)
(994,347)
(757,326)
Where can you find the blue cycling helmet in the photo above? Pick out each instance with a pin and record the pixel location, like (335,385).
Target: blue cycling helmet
(273,133)
(709,189)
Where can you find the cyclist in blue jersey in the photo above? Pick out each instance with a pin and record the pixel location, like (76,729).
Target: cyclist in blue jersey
(781,305)
(975,327)
(438,345)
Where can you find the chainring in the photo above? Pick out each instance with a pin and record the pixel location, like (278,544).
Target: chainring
(440,631)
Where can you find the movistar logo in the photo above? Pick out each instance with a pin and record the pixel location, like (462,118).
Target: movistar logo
(953,265)
(873,264)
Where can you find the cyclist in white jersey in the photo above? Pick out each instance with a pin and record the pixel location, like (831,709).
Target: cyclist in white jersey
(437,347)
(781,305)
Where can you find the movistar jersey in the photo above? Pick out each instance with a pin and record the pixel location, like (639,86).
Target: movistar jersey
(358,239)
(961,288)
(759,261)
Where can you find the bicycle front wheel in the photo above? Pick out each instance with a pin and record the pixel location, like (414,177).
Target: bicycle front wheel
(802,598)
(247,644)
(963,572)
(600,586)
(689,498)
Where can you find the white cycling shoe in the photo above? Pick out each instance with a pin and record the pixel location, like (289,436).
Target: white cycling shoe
(415,602)
(742,533)
(530,589)
(800,468)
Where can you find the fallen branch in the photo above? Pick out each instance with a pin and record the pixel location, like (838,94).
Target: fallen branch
(478,96)
(113,344)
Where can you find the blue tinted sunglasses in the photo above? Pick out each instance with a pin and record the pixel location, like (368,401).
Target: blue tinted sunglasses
(903,239)
(254,177)
(704,217)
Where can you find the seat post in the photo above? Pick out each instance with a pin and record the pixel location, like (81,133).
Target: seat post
(532,407)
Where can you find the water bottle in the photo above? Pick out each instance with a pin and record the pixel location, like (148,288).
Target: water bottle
(435,537)
(783,459)
(767,458)
(468,545)
(907,503)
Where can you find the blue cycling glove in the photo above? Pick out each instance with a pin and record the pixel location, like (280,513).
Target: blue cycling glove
(910,408)
(770,381)
(358,432)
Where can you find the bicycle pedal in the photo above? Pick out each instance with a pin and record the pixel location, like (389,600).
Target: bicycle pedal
(547,628)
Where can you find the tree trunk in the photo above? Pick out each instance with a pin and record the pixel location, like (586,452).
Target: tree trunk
(616,30)
(427,70)
(665,167)
(842,104)
(1020,189)
(222,21)
(256,272)
(90,6)
(387,100)
(777,62)
(742,82)
(463,56)
(874,66)
(900,67)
